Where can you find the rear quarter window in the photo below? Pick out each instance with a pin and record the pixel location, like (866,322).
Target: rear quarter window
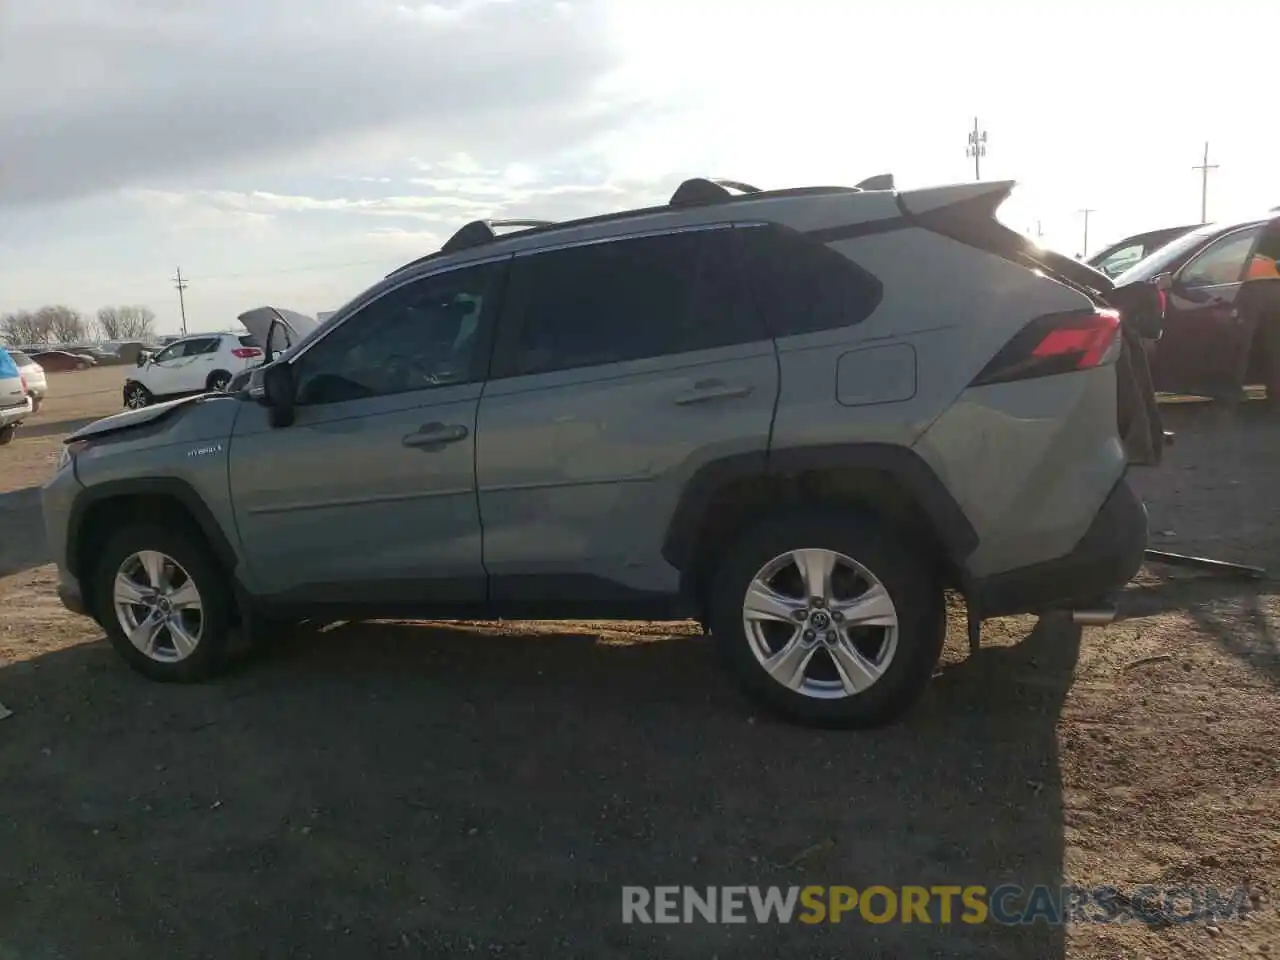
(802,286)
(248,340)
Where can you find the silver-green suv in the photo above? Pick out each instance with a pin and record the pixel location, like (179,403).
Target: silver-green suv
(795,415)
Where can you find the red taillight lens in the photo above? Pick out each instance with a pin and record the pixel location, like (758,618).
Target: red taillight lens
(246,353)
(1057,343)
(1163,294)
(22,379)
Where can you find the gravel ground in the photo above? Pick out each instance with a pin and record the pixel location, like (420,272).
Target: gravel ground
(486,789)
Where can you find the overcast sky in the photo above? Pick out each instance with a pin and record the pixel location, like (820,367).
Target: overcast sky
(292,151)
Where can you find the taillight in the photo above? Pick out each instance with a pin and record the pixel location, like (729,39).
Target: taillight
(1163,294)
(22,379)
(246,353)
(1056,343)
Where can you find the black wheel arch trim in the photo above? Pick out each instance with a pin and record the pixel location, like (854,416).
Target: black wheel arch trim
(167,487)
(907,467)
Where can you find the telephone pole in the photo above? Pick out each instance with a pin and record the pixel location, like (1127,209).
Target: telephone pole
(182,303)
(1086,211)
(977,148)
(1204,167)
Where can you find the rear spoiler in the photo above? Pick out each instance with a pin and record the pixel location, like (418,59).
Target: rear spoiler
(967,212)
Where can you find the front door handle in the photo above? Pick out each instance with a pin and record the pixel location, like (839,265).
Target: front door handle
(433,436)
(704,391)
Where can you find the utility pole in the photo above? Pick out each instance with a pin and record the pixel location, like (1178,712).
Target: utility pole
(1204,167)
(182,303)
(977,148)
(1086,211)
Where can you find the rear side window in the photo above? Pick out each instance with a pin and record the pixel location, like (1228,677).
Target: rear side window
(193,348)
(625,300)
(247,340)
(802,286)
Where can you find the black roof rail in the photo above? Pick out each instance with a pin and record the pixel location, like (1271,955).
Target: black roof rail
(478,232)
(699,190)
(881,181)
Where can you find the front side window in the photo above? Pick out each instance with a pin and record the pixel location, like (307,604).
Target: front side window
(419,336)
(171,352)
(1222,261)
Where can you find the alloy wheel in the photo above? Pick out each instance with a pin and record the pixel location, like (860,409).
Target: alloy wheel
(820,623)
(158,606)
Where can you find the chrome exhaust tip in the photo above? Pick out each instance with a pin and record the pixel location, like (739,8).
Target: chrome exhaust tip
(1097,617)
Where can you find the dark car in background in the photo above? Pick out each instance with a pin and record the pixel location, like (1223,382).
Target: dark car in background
(60,361)
(1119,257)
(1222,309)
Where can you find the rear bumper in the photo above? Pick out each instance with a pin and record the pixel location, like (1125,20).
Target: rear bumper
(10,415)
(1105,559)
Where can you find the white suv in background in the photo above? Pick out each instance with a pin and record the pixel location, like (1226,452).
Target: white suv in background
(193,364)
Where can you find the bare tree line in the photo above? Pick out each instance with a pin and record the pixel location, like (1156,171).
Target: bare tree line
(60,324)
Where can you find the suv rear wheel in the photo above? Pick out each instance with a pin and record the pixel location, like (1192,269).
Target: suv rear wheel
(829,617)
(164,603)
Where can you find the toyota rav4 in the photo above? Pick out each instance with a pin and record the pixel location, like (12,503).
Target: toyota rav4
(798,416)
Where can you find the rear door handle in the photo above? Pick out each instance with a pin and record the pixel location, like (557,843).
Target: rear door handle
(704,391)
(436,435)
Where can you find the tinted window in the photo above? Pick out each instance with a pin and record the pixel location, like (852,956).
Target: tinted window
(1161,260)
(627,300)
(247,340)
(419,336)
(1222,261)
(1122,259)
(802,286)
(171,352)
(205,345)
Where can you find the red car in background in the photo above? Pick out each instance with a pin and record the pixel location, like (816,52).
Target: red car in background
(1222,309)
(59,361)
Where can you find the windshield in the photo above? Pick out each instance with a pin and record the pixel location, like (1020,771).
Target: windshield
(1160,261)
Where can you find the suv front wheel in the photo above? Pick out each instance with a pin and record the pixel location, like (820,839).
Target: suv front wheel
(164,603)
(136,396)
(829,617)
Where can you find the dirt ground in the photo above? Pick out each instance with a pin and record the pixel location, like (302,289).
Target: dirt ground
(462,789)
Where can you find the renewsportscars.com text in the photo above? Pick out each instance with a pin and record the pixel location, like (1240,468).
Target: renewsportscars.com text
(938,904)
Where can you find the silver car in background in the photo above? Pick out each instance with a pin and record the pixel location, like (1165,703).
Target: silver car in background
(34,377)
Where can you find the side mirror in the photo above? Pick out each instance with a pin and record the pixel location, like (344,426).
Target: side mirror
(279,393)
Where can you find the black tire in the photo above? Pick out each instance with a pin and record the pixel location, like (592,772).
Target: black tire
(211,654)
(218,380)
(8,433)
(136,395)
(907,572)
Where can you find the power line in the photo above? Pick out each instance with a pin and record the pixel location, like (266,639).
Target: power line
(1084,252)
(182,303)
(1204,167)
(977,148)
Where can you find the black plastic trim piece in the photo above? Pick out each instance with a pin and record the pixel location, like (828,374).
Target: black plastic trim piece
(947,519)
(865,228)
(1106,558)
(165,487)
(515,597)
